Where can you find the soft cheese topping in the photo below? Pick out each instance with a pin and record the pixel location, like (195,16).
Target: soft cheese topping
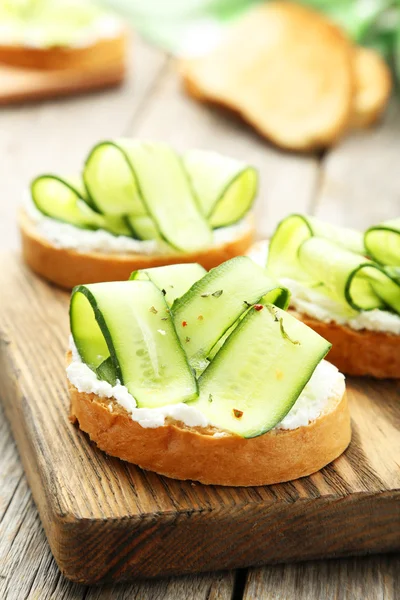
(16,32)
(63,235)
(310,302)
(325,383)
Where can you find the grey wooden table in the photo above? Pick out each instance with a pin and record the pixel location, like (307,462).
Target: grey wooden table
(357,183)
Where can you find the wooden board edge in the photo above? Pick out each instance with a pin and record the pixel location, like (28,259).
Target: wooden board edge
(151,546)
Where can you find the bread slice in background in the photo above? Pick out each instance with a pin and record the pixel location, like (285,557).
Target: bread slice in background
(373,84)
(286,69)
(103,52)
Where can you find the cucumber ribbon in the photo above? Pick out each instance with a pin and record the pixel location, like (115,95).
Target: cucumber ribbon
(147,191)
(66,200)
(158,343)
(334,261)
(383,242)
(125,328)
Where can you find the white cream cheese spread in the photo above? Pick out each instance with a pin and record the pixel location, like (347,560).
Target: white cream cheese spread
(14,32)
(325,383)
(63,235)
(309,302)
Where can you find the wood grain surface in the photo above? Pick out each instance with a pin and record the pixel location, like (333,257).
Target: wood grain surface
(132,523)
(370,578)
(357,182)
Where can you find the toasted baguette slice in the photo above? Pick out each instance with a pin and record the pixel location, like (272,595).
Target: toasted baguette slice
(364,352)
(68,268)
(373,86)
(181,452)
(286,69)
(102,53)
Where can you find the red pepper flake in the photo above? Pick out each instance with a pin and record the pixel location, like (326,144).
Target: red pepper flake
(237,413)
(184,324)
(258,307)
(200,317)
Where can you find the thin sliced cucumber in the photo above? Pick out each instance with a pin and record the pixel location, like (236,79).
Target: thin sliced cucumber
(278,297)
(213,304)
(172,280)
(106,371)
(114,224)
(143,228)
(383,242)
(65,200)
(59,199)
(111,182)
(349,277)
(147,179)
(347,238)
(333,260)
(225,187)
(168,197)
(282,258)
(293,231)
(130,322)
(260,371)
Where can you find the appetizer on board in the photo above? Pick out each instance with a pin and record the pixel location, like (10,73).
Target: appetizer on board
(345,285)
(204,376)
(137,205)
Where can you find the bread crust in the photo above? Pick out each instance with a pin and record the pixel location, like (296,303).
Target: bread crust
(373,87)
(102,53)
(68,268)
(286,70)
(363,352)
(192,453)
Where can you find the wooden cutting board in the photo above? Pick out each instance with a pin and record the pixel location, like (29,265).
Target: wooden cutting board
(108,520)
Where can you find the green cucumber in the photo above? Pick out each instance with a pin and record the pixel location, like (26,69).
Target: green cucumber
(348,277)
(143,228)
(111,182)
(61,24)
(147,180)
(333,260)
(213,304)
(260,371)
(292,231)
(60,199)
(282,260)
(172,280)
(144,190)
(65,200)
(167,195)
(383,242)
(225,187)
(106,371)
(114,224)
(129,321)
